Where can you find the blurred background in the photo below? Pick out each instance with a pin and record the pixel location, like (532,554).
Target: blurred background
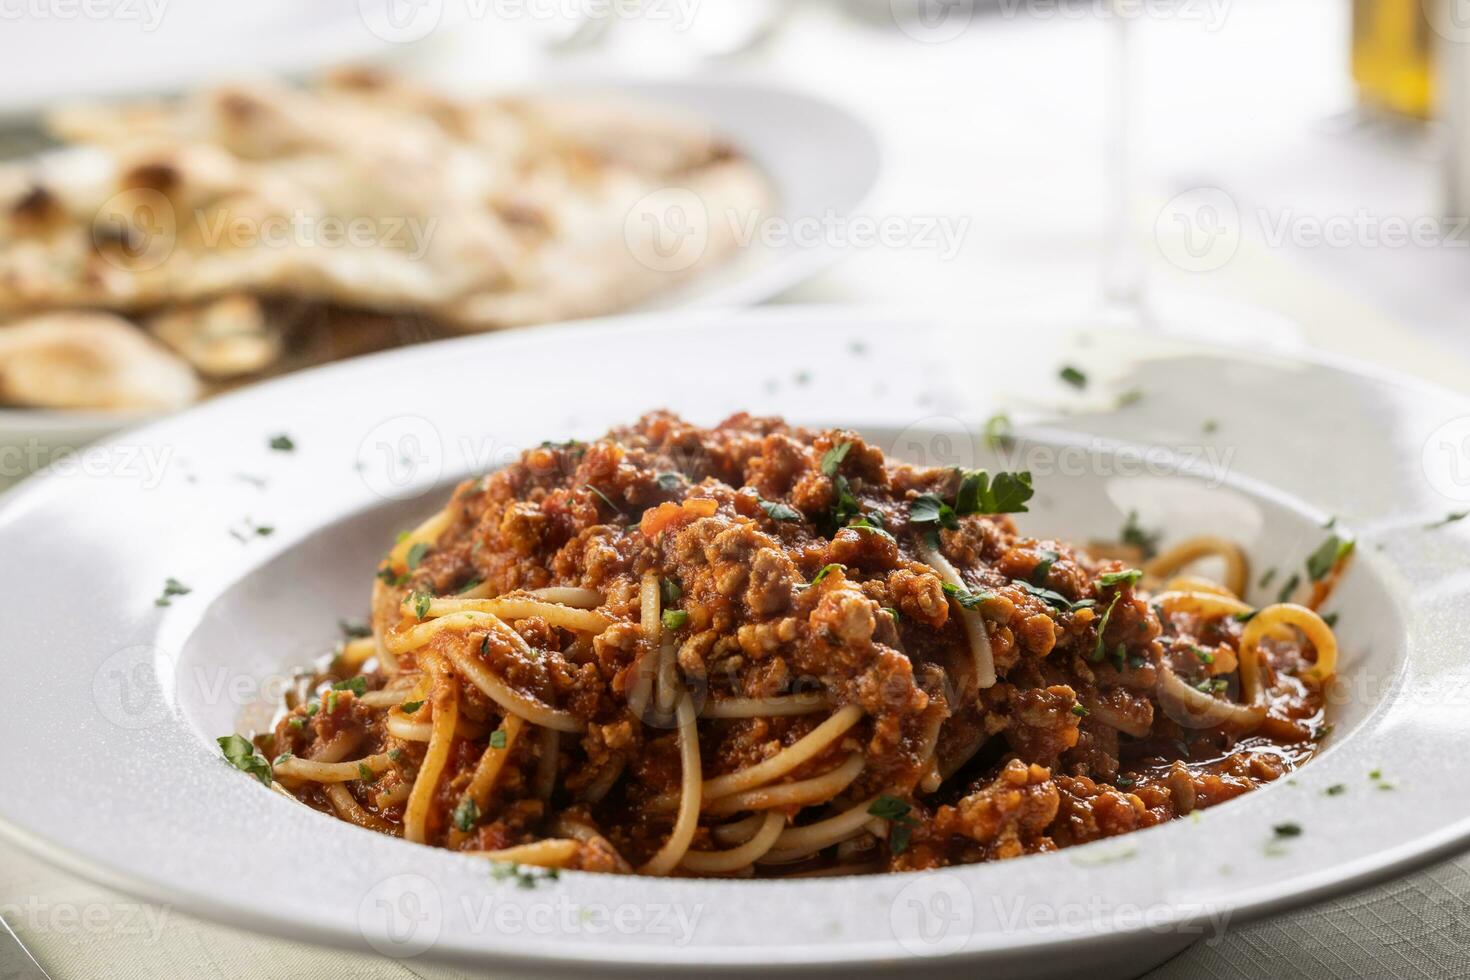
(1254,170)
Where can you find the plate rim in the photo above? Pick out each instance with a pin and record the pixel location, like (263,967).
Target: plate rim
(1452,838)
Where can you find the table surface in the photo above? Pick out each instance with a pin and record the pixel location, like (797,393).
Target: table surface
(1002,131)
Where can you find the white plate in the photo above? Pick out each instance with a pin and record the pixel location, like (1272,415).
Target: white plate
(111,770)
(822,161)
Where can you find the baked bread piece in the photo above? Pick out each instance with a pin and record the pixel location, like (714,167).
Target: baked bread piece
(368,193)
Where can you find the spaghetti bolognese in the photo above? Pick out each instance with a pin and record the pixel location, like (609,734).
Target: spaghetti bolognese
(758,650)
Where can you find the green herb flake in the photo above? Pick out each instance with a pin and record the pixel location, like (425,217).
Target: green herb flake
(357,685)
(171,587)
(353,630)
(832,458)
(1326,557)
(409,707)
(416,554)
(465,815)
(1073,376)
(998,432)
(1129,576)
(283,443)
(421,602)
(365,773)
(964,596)
(1133,534)
(1450,518)
(498,739)
(929,509)
(822,573)
(1080,711)
(669,591)
(1287,588)
(1287,830)
(675,619)
(605,499)
(1006,493)
(1266,578)
(778,511)
(1336,789)
(239,753)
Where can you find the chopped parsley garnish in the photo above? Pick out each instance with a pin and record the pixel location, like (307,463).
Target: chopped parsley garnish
(469,586)
(669,482)
(901,824)
(1204,656)
(171,587)
(465,815)
(822,573)
(845,506)
(832,458)
(963,596)
(357,685)
(365,773)
(395,755)
(1133,534)
(298,722)
(421,602)
(239,753)
(1330,619)
(497,739)
(416,554)
(330,702)
(1213,685)
(283,443)
(1007,493)
(1043,567)
(353,630)
(248,529)
(870,524)
(605,499)
(409,707)
(674,619)
(1322,561)
(998,432)
(1336,789)
(669,591)
(1266,578)
(778,511)
(1080,711)
(1287,830)
(1287,588)
(1072,376)
(1130,397)
(1099,649)
(1129,576)
(1054,599)
(391,577)
(281,758)
(1450,518)
(929,509)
